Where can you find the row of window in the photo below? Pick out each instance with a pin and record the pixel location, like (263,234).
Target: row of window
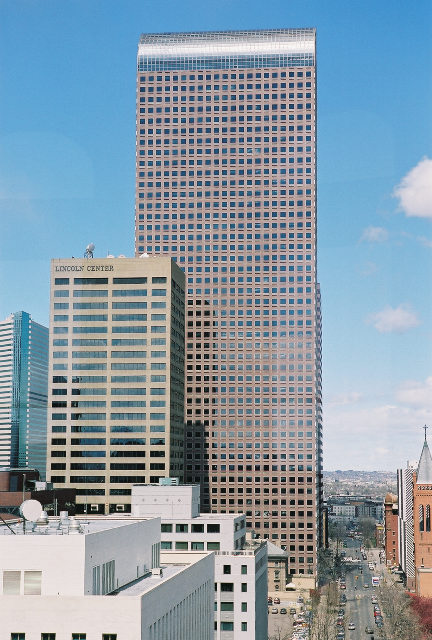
(52,636)
(225,76)
(126,280)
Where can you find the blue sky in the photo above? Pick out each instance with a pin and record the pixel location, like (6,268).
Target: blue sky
(67,153)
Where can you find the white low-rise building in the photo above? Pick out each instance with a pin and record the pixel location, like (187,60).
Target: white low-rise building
(240,575)
(101,579)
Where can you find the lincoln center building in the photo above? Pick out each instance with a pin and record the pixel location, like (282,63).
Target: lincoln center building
(116,377)
(226,185)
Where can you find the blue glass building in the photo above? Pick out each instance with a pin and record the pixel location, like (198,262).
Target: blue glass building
(23,392)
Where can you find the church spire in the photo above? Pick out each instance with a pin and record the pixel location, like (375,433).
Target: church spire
(424,469)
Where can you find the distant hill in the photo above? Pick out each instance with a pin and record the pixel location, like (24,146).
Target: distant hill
(353,482)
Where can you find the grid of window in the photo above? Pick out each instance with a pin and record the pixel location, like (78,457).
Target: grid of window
(226,185)
(84,407)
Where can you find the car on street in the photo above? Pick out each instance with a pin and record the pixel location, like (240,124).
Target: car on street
(366,586)
(340,635)
(275,610)
(368,629)
(351,626)
(293,610)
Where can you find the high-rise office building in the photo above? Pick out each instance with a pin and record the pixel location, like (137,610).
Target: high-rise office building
(23,392)
(116,377)
(226,185)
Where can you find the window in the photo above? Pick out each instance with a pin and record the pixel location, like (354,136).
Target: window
(79,636)
(183,546)
(244,626)
(244,606)
(244,569)
(227,586)
(213,546)
(11,583)
(48,636)
(181,528)
(166,545)
(197,546)
(244,587)
(166,528)
(109,636)
(227,626)
(32,583)
(197,528)
(213,528)
(227,569)
(17,636)
(227,606)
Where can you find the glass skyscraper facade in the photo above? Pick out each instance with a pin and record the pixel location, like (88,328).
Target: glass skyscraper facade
(23,392)
(226,185)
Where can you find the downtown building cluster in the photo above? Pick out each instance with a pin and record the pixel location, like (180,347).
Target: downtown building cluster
(199,360)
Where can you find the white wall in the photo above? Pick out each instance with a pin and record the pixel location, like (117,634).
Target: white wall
(188,595)
(166,501)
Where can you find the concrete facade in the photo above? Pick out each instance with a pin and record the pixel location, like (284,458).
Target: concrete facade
(226,186)
(405,524)
(70,573)
(240,574)
(116,377)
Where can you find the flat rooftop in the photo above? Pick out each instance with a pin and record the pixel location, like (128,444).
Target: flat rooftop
(67,526)
(141,585)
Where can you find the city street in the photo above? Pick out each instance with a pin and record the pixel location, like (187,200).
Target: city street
(359,607)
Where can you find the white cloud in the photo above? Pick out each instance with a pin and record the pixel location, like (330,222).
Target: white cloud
(416,394)
(414,191)
(374,234)
(349,397)
(368,269)
(374,433)
(426,242)
(394,320)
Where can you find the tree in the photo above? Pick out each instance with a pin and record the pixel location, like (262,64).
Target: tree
(366,527)
(400,621)
(422,607)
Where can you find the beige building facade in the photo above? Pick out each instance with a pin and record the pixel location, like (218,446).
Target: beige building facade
(116,376)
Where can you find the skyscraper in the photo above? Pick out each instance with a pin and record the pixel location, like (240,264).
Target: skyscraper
(116,377)
(226,185)
(23,392)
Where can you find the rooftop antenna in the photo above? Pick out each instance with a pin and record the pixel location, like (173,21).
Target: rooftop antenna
(89,250)
(425,430)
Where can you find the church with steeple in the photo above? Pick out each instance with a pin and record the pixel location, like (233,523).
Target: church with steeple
(422,505)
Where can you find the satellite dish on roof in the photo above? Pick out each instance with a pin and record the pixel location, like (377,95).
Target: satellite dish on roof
(31,510)
(89,250)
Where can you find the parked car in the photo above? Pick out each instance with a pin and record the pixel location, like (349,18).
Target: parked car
(276,600)
(366,586)
(351,626)
(282,610)
(275,610)
(293,610)
(269,600)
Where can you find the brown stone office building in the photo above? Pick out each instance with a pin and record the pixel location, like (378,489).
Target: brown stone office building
(226,185)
